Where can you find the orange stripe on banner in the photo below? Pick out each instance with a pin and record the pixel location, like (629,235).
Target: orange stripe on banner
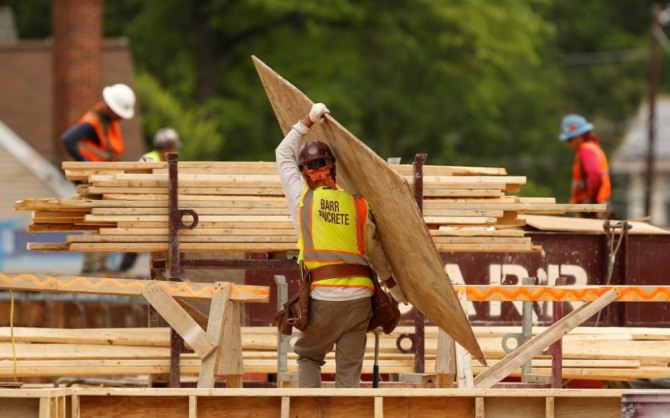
(564,293)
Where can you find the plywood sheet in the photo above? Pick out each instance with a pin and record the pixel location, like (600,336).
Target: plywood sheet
(405,237)
(569,224)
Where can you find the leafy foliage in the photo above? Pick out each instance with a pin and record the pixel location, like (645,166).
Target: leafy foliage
(469,83)
(199,135)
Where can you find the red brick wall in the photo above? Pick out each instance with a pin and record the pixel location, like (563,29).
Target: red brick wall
(27,104)
(77,61)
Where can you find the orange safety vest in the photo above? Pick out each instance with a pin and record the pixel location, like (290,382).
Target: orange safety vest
(579,187)
(111,145)
(332,231)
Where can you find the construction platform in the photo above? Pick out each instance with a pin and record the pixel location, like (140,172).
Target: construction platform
(359,403)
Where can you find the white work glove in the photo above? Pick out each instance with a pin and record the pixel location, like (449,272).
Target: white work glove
(317,112)
(397,292)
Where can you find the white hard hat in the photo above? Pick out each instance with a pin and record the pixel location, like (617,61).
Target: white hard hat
(121,99)
(166,137)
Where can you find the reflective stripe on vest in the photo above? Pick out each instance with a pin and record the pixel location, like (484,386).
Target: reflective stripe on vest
(332,231)
(579,185)
(109,134)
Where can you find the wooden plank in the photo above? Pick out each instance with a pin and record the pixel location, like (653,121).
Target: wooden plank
(230,361)
(568,224)
(215,326)
(247,232)
(535,346)
(252,191)
(152,337)
(445,360)
(185,239)
(184,247)
(422,276)
(179,320)
(464,374)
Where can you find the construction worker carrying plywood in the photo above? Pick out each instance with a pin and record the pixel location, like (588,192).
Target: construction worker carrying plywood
(338,243)
(590,170)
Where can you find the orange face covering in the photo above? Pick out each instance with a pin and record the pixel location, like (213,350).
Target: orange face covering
(321,174)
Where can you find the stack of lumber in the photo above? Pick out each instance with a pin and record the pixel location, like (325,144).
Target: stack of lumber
(618,354)
(241,208)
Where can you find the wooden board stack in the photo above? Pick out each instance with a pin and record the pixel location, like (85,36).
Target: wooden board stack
(617,354)
(241,208)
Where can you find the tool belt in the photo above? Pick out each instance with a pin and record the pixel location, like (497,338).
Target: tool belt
(339,270)
(296,310)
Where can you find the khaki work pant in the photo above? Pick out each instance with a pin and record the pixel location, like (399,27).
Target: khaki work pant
(94,262)
(343,324)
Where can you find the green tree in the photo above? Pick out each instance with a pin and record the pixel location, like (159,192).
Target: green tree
(470,83)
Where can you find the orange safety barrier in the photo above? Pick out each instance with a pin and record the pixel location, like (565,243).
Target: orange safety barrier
(564,293)
(127,287)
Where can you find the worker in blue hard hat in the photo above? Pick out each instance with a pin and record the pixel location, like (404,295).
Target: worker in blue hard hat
(590,170)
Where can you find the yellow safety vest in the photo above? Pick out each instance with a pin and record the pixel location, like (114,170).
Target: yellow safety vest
(332,231)
(151,156)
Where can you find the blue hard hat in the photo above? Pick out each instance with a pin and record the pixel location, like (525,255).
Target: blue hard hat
(574,125)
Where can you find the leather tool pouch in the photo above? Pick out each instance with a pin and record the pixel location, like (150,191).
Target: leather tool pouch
(385,312)
(295,312)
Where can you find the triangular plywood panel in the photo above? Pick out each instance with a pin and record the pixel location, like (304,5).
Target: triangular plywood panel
(415,261)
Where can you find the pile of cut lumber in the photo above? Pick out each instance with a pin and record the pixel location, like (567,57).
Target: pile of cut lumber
(618,354)
(123,206)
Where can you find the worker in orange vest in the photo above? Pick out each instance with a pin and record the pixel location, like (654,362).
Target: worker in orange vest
(590,169)
(97,137)
(97,134)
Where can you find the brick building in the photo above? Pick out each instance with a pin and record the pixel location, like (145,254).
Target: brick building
(47,85)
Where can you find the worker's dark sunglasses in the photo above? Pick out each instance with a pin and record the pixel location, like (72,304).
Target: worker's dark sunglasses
(316,164)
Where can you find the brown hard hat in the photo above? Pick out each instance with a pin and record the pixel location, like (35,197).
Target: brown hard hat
(315,150)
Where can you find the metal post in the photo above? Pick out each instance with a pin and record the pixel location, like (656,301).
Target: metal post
(556,349)
(654,71)
(174,219)
(419,317)
(283,341)
(174,271)
(527,329)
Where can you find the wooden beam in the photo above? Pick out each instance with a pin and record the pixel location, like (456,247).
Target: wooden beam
(535,346)
(229,361)
(215,326)
(445,360)
(179,320)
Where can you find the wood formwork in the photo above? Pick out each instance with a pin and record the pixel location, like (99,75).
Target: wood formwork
(377,403)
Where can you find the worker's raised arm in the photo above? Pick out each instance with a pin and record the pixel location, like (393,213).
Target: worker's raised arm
(286,155)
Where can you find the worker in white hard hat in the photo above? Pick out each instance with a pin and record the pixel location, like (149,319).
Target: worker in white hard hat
(97,134)
(97,137)
(165,140)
